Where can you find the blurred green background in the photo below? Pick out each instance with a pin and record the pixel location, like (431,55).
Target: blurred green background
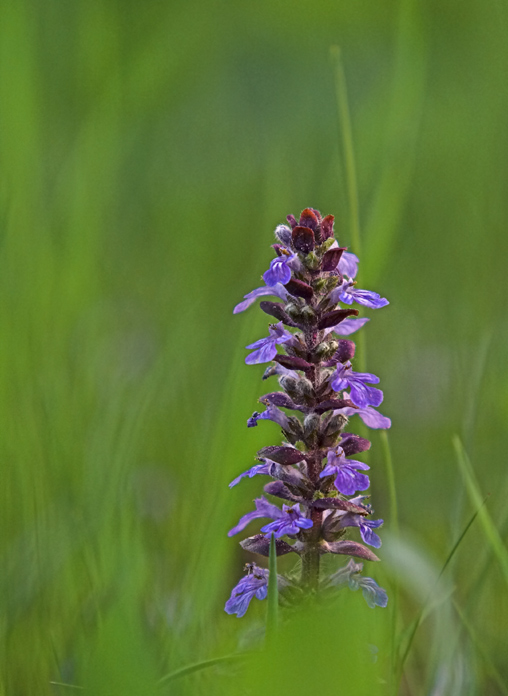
(147,152)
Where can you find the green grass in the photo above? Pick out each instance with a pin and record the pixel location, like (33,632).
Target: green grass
(146,154)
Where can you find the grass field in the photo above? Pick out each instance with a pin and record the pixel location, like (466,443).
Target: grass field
(147,152)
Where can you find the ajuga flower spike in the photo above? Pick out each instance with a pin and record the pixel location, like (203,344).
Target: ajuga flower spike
(312,470)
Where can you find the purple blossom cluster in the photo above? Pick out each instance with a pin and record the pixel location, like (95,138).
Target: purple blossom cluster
(313,282)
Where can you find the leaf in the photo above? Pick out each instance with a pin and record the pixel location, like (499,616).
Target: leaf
(281,455)
(473,489)
(273,592)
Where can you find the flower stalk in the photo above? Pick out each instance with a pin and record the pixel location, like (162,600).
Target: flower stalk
(312,471)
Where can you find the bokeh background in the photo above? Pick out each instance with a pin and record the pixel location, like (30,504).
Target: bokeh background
(147,152)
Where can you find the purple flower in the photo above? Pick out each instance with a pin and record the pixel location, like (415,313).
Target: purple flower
(361,395)
(371,417)
(280,269)
(256,469)
(350,575)
(266,348)
(350,519)
(290,522)
(367,298)
(254,584)
(278,290)
(272,413)
(348,264)
(348,481)
(263,509)
(372,593)
(348,294)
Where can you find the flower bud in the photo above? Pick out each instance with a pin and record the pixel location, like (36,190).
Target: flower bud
(336,424)
(326,244)
(311,425)
(290,386)
(294,311)
(325,350)
(283,234)
(312,261)
(307,315)
(306,388)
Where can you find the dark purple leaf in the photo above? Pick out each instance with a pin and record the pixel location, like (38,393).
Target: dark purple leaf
(331,259)
(261,545)
(293,363)
(303,239)
(281,455)
(338,504)
(308,218)
(292,221)
(276,309)
(351,548)
(300,289)
(335,317)
(280,399)
(327,226)
(333,405)
(353,444)
(279,490)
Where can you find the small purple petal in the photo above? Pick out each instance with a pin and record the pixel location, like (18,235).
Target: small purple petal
(349,326)
(348,481)
(372,418)
(256,469)
(264,354)
(263,509)
(348,264)
(372,593)
(290,522)
(366,527)
(266,348)
(279,271)
(367,298)
(367,533)
(278,290)
(363,396)
(272,413)
(255,584)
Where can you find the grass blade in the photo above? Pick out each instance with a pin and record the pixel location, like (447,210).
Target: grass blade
(473,489)
(503,689)
(347,143)
(198,666)
(273,592)
(423,609)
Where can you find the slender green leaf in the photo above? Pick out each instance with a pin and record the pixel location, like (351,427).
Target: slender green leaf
(473,489)
(198,666)
(492,669)
(423,611)
(347,144)
(273,592)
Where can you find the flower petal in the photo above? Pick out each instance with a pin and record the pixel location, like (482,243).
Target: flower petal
(349,326)
(372,418)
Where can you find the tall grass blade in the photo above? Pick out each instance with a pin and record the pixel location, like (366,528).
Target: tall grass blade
(473,489)
(503,689)
(423,611)
(351,178)
(347,143)
(273,592)
(198,666)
